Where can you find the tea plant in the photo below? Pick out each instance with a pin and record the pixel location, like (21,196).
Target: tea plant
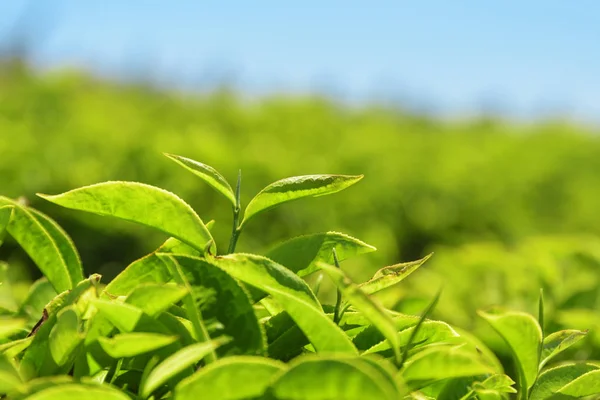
(187,322)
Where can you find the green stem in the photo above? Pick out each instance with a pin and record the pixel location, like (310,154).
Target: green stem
(236,229)
(337,315)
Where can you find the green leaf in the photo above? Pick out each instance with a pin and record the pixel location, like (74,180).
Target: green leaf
(389,276)
(177,363)
(221,299)
(40,294)
(144,204)
(523,335)
(301,253)
(293,294)
(585,385)
(14,348)
(155,298)
(10,380)
(231,378)
(499,382)
(442,362)
(174,246)
(124,316)
(65,336)
(5,215)
(333,377)
(47,244)
(372,310)
(208,174)
(148,269)
(553,380)
(297,187)
(10,326)
(76,391)
(133,344)
(558,342)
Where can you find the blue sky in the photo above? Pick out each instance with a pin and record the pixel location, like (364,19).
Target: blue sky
(526,58)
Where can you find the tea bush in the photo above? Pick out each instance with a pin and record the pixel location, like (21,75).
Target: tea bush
(188,321)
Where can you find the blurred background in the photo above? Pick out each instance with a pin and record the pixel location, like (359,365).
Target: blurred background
(476,125)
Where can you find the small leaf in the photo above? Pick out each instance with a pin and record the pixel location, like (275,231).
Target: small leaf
(5,215)
(133,344)
(293,294)
(231,378)
(148,269)
(10,326)
(40,294)
(499,382)
(333,377)
(155,298)
(523,335)
(301,253)
(65,336)
(373,311)
(208,174)
(389,276)
(137,202)
(178,362)
(16,347)
(47,244)
(174,246)
(76,391)
(124,316)
(10,380)
(558,342)
(553,380)
(297,187)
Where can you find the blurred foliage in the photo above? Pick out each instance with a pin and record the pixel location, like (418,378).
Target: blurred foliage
(478,191)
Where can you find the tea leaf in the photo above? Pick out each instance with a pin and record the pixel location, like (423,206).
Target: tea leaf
(297,187)
(144,204)
(558,342)
(523,335)
(389,276)
(178,362)
(208,174)
(132,344)
(148,269)
(155,298)
(586,385)
(552,381)
(10,326)
(5,215)
(333,377)
(10,380)
(76,391)
(65,336)
(373,311)
(301,253)
(47,244)
(124,316)
(231,378)
(293,294)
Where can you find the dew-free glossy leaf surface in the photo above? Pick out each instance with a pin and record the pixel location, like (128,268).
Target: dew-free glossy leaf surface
(65,336)
(293,294)
(148,269)
(333,377)
(231,378)
(586,385)
(9,376)
(123,316)
(133,344)
(207,173)
(137,202)
(5,215)
(523,335)
(301,253)
(74,391)
(552,380)
(155,298)
(389,276)
(178,362)
(372,310)
(558,342)
(297,187)
(47,244)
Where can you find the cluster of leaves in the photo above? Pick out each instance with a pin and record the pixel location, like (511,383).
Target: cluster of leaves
(185,322)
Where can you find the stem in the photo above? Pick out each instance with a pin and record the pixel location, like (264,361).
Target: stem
(236,229)
(338,302)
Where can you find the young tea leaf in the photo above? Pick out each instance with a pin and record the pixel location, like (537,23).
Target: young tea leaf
(208,174)
(10,380)
(47,244)
(77,391)
(558,342)
(133,344)
(297,187)
(155,298)
(552,381)
(65,336)
(5,215)
(9,326)
(389,276)
(301,253)
(144,204)
(148,269)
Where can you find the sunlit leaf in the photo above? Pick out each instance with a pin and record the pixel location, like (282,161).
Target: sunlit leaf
(133,344)
(10,379)
(297,187)
(148,269)
(137,202)
(559,341)
(155,298)
(552,381)
(389,276)
(65,336)
(76,391)
(10,326)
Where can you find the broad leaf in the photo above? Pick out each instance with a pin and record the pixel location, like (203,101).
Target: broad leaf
(293,294)
(155,298)
(16,347)
(301,253)
(148,269)
(389,276)
(208,174)
(133,344)
(76,391)
(47,244)
(10,326)
(224,304)
(372,310)
(10,380)
(553,380)
(40,294)
(5,215)
(585,385)
(123,316)
(65,336)
(231,378)
(297,187)
(177,363)
(175,246)
(333,377)
(558,342)
(523,335)
(144,204)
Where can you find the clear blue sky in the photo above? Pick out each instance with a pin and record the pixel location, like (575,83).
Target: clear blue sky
(530,57)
